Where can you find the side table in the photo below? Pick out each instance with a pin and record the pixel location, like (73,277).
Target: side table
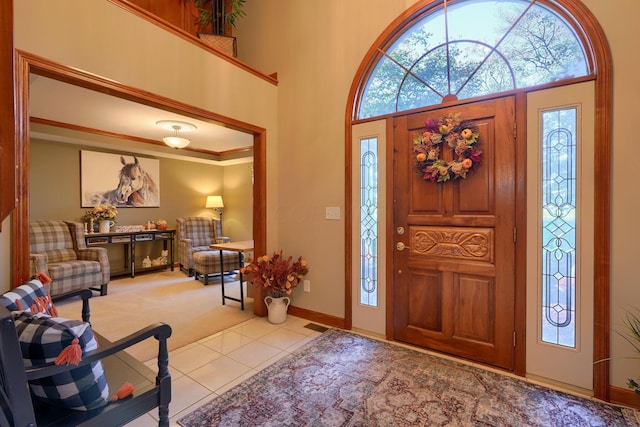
(240,247)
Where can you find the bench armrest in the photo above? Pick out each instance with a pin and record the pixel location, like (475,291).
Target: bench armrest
(160,331)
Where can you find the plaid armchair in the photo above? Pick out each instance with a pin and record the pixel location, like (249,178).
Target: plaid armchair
(195,234)
(58,249)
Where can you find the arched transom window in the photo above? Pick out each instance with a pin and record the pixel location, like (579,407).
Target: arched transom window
(470,48)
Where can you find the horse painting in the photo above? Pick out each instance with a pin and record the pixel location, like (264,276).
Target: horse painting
(135,188)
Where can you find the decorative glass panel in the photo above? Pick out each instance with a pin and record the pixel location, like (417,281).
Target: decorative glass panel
(471,48)
(559,227)
(369,221)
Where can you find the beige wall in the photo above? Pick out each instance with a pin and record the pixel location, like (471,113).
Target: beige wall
(238,202)
(184,187)
(625,202)
(316,47)
(122,47)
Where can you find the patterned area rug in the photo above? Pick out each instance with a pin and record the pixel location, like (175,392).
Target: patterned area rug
(343,379)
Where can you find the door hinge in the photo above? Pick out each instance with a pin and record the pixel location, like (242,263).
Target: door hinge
(515,131)
(514,338)
(515,235)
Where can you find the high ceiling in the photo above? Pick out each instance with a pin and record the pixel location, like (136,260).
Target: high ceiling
(62,112)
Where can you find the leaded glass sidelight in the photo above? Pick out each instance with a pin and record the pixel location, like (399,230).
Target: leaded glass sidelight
(369,221)
(558,320)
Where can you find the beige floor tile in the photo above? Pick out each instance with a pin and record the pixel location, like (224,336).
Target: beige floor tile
(272,360)
(205,369)
(253,354)
(255,328)
(218,372)
(303,342)
(235,382)
(226,342)
(144,421)
(282,338)
(196,356)
(174,417)
(297,324)
(184,392)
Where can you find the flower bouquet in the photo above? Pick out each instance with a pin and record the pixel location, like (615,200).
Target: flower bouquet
(161,224)
(102,212)
(277,274)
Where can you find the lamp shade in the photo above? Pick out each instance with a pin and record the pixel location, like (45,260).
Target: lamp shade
(214,202)
(176,141)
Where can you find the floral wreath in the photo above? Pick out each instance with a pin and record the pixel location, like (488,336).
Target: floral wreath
(459,136)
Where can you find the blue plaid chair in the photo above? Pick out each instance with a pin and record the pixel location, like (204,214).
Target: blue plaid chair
(58,249)
(195,234)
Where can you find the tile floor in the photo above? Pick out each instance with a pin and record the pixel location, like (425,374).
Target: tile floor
(207,368)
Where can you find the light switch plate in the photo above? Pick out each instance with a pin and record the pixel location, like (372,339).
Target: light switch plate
(332,213)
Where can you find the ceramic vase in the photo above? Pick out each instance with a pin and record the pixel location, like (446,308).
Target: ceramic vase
(105,225)
(277,308)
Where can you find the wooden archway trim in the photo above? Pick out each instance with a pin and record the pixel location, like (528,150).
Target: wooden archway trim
(599,56)
(27,63)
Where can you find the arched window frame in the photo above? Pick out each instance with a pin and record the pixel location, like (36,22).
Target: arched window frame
(436,10)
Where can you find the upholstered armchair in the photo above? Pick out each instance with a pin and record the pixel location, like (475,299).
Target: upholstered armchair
(58,249)
(195,234)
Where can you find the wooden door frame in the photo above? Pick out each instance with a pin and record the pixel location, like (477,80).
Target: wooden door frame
(599,58)
(27,64)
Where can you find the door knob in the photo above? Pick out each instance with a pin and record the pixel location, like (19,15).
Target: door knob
(401,246)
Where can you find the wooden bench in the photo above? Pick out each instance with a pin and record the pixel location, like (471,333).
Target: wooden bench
(152,389)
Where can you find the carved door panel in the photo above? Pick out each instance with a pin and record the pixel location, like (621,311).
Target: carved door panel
(453,283)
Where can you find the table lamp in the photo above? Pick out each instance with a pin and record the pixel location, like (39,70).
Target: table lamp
(215,202)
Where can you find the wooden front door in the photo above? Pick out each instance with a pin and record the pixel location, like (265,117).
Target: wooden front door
(453,283)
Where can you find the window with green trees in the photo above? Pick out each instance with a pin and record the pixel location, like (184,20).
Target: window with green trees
(472,48)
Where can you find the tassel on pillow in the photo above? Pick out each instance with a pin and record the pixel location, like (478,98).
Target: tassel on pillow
(125,391)
(43,278)
(71,355)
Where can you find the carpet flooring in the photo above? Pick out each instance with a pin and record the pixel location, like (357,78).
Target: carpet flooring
(344,379)
(193,311)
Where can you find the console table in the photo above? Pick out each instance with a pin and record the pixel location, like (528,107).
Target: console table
(128,240)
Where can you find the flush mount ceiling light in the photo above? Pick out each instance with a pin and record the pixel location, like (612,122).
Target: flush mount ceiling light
(176,141)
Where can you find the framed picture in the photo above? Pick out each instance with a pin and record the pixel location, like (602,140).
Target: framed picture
(118,179)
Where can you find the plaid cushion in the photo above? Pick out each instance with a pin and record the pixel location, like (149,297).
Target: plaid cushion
(200,231)
(52,238)
(74,268)
(30,296)
(208,262)
(42,338)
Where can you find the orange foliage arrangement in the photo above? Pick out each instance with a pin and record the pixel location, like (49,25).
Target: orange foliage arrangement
(277,274)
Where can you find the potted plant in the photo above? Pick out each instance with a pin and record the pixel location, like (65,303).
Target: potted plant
(632,336)
(218,17)
(631,324)
(279,276)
